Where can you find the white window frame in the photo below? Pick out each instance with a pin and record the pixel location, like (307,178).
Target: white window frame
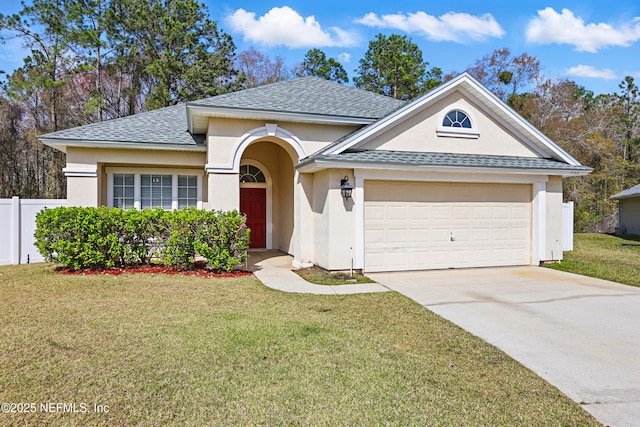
(453,132)
(137,172)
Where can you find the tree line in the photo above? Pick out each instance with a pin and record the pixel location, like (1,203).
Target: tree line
(95,60)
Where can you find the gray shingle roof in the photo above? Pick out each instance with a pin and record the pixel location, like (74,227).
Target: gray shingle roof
(164,126)
(445,159)
(307,95)
(629,192)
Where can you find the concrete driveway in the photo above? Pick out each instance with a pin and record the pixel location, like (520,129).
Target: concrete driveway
(580,334)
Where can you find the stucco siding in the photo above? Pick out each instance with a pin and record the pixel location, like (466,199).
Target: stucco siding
(553,249)
(82,191)
(224,134)
(223,191)
(304,237)
(334,221)
(79,157)
(630,216)
(419,133)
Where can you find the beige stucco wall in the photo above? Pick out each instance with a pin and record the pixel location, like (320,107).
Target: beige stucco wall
(79,157)
(418,133)
(334,221)
(303,231)
(553,246)
(223,191)
(224,134)
(629,216)
(82,191)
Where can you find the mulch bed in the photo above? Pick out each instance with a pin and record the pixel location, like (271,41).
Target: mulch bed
(199,270)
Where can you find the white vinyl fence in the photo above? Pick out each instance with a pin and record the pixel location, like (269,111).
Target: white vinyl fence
(17,225)
(567,226)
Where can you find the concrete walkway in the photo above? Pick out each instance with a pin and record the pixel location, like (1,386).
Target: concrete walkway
(273,269)
(580,334)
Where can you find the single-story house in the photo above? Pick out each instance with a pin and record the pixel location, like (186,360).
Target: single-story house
(341,177)
(628,210)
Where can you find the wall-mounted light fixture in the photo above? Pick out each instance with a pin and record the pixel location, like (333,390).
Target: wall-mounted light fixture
(345,188)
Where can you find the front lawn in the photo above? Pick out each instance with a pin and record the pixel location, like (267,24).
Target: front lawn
(172,350)
(615,258)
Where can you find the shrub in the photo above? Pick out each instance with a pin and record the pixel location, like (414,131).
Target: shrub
(80,238)
(223,239)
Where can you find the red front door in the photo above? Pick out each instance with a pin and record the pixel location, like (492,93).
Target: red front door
(253,203)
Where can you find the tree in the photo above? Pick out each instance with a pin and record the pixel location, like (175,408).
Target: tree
(506,75)
(255,69)
(628,101)
(92,60)
(393,66)
(315,63)
(188,56)
(50,61)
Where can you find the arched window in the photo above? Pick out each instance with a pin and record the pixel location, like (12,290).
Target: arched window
(250,173)
(457,123)
(456,119)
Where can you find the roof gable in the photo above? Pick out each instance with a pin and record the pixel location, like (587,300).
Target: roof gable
(480,96)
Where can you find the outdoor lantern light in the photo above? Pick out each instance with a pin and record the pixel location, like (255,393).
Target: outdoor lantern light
(345,188)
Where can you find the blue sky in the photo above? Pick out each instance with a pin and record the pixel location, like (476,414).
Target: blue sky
(595,43)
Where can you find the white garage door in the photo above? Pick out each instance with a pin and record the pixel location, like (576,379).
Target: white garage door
(417,226)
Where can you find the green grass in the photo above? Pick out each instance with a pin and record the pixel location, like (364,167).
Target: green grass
(321,276)
(605,257)
(173,350)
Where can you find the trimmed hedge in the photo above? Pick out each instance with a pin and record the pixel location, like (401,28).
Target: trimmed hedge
(80,238)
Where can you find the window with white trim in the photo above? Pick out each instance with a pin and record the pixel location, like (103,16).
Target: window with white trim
(187,191)
(156,191)
(250,173)
(123,190)
(151,188)
(457,123)
(456,119)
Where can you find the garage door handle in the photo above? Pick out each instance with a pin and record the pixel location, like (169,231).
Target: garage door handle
(453,239)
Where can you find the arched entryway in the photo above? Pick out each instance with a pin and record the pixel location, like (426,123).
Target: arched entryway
(253,202)
(266,180)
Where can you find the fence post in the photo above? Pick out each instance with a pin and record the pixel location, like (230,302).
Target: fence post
(567,226)
(15,230)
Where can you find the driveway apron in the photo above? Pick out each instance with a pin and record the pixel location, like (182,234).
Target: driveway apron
(580,334)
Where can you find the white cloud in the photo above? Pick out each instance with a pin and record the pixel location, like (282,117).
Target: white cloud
(553,27)
(591,72)
(344,57)
(455,27)
(283,26)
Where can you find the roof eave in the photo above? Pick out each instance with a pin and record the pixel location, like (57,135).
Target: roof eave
(250,114)
(315,165)
(626,196)
(62,144)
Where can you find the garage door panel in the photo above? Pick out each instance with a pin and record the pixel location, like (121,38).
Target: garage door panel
(481,234)
(490,225)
